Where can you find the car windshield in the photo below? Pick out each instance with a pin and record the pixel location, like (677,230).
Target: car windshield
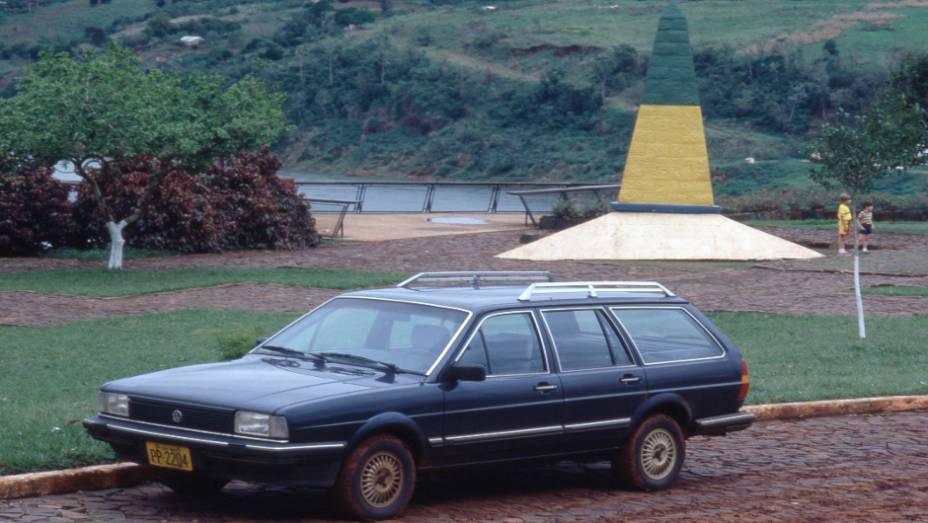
(407,335)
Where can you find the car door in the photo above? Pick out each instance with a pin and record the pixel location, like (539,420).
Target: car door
(603,384)
(681,357)
(515,412)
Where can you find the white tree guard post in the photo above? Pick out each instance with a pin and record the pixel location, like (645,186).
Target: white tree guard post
(861,326)
(117,243)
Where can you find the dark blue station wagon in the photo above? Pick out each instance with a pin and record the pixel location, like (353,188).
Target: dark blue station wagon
(447,370)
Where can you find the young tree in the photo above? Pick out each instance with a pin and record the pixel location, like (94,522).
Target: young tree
(857,149)
(99,111)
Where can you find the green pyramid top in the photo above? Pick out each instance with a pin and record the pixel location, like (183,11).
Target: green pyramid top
(671,78)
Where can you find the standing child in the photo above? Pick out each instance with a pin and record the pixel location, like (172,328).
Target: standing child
(865,220)
(844,223)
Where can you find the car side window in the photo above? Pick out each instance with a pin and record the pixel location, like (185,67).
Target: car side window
(476,352)
(663,335)
(579,339)
(506,344)
(619,350)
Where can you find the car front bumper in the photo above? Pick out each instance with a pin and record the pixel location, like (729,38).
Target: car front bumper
(225,456)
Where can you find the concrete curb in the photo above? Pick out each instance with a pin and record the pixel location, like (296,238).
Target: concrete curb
(127,474)
(807,409)
(71,480)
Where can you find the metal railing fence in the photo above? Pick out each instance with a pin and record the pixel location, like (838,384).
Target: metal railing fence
(433,197)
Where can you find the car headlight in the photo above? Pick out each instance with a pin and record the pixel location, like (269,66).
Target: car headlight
(112,403)
(258,424)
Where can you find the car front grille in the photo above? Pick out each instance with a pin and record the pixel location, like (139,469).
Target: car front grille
(198,418)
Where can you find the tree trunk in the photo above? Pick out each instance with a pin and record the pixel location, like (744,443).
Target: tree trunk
(117,242)
(861,327)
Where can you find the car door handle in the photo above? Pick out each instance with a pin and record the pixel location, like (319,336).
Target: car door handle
(630,379)
(545,387)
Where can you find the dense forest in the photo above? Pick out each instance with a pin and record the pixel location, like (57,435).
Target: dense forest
(444,89)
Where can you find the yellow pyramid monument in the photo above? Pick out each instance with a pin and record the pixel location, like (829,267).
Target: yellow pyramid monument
(665,208)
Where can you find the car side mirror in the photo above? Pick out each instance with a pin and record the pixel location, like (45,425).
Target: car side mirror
(259,341)
(461,372)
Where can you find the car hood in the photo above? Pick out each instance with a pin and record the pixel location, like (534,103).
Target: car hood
(257,382)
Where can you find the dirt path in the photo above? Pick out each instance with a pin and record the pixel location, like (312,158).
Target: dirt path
(34,308)
(848,468)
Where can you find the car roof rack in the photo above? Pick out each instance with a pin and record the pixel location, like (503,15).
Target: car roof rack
(477,278)
(593,288)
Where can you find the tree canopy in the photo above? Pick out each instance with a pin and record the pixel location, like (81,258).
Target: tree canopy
(109,108)
(856,149)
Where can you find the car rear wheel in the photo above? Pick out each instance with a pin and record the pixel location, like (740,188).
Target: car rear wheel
(653,456)
(377,479)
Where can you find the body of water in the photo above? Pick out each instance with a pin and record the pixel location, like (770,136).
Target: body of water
(381,196)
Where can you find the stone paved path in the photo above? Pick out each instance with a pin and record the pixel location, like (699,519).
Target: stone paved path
(776,287)
(848,468)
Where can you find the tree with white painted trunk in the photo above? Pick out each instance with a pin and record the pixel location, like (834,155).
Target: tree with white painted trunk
(99,111)
(854,151)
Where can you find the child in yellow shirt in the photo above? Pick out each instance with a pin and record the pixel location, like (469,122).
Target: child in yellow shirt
(844,223)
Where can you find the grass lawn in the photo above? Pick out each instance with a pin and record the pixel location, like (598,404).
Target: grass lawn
(804,358)
(129,253)
(828,225)
(51,374)
(102,282)
(900,290)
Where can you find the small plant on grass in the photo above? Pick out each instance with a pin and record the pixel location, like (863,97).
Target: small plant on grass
(564,210)
(236,343)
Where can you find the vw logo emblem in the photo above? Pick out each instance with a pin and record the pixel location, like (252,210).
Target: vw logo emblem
(177,416)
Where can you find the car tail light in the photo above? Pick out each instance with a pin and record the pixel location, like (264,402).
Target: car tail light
(745,381)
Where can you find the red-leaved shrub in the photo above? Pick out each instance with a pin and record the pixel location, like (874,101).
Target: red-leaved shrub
(255,208)
(34,212)
(178,216)
(236,204)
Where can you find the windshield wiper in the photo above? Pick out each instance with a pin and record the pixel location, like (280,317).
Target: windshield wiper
(392,367)
(295,353)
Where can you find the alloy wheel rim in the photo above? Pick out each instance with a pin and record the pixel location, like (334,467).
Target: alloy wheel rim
(658,454)
(382,479)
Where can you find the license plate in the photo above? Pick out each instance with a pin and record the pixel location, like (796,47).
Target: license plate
(168,456)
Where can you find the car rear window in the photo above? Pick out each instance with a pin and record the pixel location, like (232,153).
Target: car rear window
(580,338)
(663,335)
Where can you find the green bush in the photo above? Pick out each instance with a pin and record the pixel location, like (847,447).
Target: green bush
(236,343)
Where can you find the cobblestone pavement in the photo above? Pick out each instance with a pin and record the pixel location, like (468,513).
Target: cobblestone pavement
(711,286)
(848,468)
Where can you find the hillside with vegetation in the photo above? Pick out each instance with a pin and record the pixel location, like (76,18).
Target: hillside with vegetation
(511,89)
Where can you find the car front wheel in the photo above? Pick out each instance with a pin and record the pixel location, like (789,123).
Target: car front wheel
(653,456)
(377,479)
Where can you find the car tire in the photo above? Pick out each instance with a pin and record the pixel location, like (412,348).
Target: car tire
(192,485)
(376,480)
(652,457)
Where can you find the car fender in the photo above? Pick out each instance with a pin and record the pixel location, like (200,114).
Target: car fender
(665,401)
(394,422)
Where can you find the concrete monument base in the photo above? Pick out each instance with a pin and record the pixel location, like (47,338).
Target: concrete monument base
(660,236)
